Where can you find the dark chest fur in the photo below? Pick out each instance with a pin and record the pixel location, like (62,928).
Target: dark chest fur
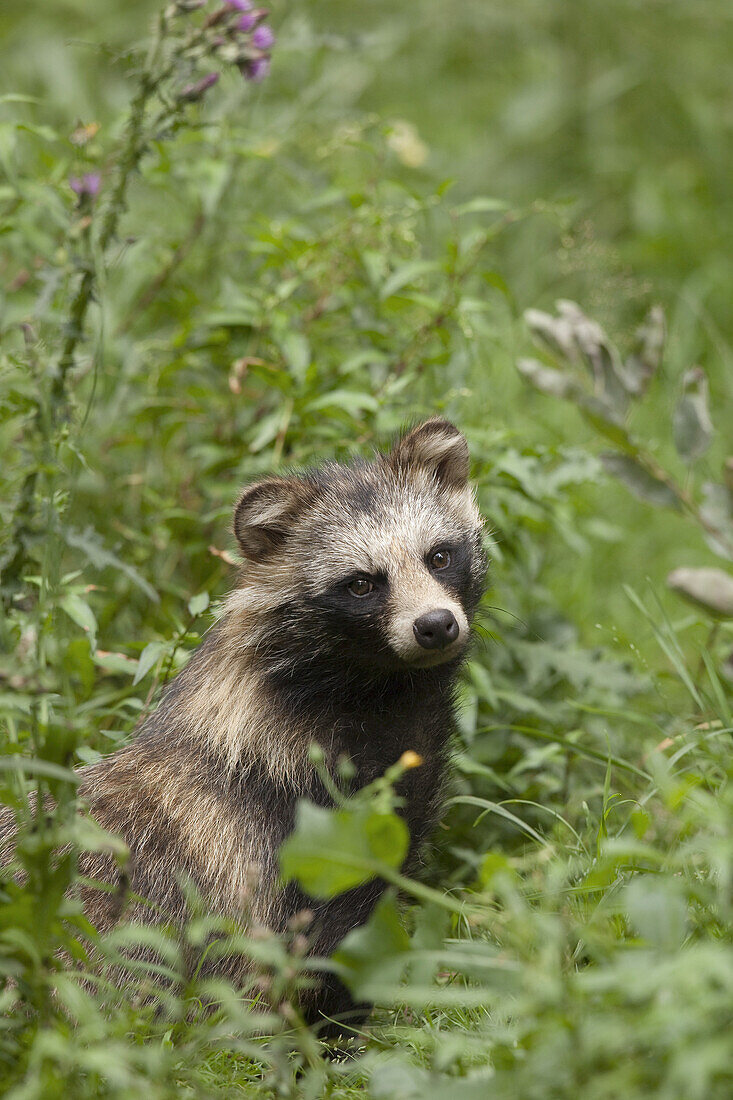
(373,724)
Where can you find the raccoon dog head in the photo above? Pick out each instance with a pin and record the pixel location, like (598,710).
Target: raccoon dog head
(376,565)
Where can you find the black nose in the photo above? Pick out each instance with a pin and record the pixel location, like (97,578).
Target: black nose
(436,629)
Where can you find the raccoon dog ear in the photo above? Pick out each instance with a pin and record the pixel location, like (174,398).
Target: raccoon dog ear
(436,446)
(264,515)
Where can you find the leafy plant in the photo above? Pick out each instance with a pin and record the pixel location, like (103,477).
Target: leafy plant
(588,370)
(208,281)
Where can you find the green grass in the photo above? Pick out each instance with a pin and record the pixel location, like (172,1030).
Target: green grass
(286,284)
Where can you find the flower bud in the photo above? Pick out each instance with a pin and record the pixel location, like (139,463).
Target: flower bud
(263,38)
(193,92)
(255,70)
(86,186)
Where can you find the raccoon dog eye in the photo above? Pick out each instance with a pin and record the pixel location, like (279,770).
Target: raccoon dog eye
(360,586)
(440,559)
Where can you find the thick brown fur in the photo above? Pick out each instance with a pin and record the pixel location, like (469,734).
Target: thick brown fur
(207,789)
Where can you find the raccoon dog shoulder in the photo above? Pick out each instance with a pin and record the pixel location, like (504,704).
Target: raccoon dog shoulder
(348,626)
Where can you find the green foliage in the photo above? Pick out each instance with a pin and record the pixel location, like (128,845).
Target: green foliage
(280,274)
(331,851)
(604,398)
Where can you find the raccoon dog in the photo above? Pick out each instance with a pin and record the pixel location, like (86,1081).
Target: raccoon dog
(347,628)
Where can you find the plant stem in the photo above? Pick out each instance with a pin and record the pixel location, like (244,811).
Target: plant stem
(132,151)
(130,157)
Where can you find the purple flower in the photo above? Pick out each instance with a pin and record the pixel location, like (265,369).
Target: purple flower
(255,70)
(86,186)
(192,92)
(239,5)
(263,37)
(247,22)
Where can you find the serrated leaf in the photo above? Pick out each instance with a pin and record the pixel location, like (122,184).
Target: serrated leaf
(639,480)
(691,422)
(149,656)
(198,604)
(709,588)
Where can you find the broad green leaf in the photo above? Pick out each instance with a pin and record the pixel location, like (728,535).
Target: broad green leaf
(333,850)
(81,613)
(114,662)
(400,1079)
(360,359)
(198,604)
(32,766)
(267,430)
(374,955)
(495,864)
(658,911)
(152,653)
